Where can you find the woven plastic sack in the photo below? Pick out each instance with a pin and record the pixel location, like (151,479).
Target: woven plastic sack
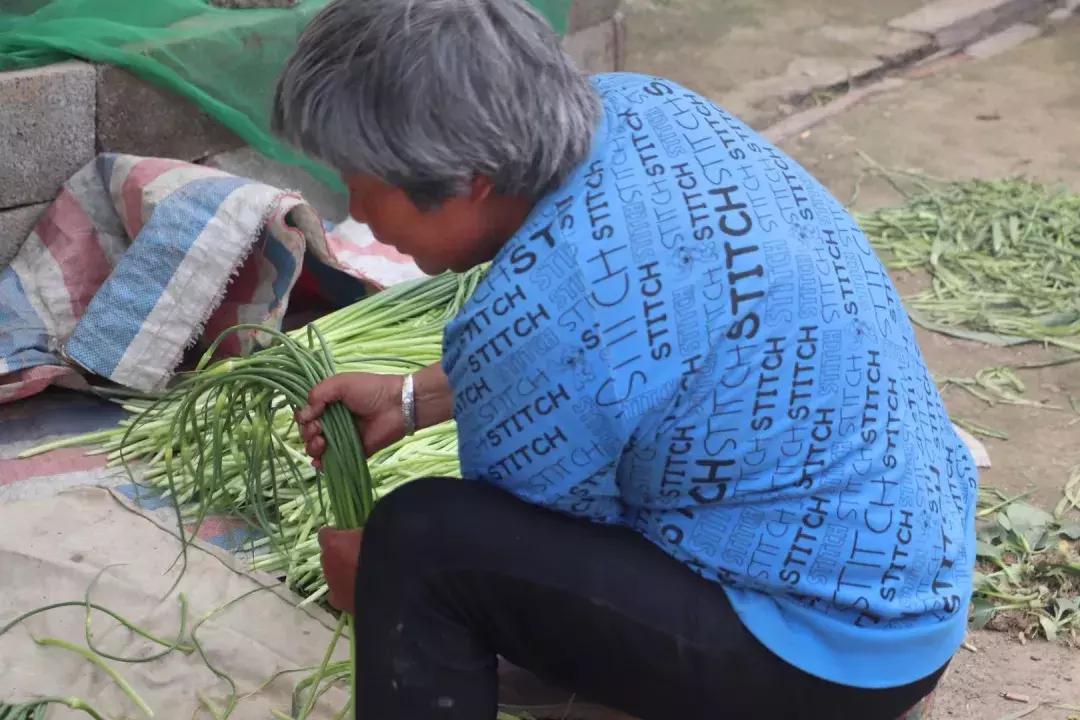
(224,60)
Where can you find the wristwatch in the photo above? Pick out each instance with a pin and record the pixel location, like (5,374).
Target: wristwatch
(408,405)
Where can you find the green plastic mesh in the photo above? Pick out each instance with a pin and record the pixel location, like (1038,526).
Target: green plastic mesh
(224,60)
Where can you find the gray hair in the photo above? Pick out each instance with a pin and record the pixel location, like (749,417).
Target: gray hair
(427,94)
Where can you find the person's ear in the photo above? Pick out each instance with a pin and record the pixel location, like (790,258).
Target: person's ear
(481,188)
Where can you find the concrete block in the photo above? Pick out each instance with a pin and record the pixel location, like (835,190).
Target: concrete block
(1002,41)
(140,118)
(46,130)
(136,117)
(600,48)
(955,23)
(15,226)
(248,162)
(586,13)
(892,47)
(800,78)
(1066,11)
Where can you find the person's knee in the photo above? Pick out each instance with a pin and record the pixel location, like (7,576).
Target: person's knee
(411,520)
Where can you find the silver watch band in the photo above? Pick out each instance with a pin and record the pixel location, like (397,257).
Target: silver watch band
(408,405)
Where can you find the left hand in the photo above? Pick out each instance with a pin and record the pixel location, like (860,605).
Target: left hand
(340,563)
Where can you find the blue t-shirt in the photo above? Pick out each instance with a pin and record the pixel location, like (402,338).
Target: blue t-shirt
(692,338)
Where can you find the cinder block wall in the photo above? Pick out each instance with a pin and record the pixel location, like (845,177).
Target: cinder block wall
(47,126)
(54,119)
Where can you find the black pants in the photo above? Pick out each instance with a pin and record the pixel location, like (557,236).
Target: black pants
(453,573)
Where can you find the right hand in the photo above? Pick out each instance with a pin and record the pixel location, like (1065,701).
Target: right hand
(374,400)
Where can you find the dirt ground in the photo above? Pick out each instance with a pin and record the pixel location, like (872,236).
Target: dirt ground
(743,53)
(932,125)
(1017,113)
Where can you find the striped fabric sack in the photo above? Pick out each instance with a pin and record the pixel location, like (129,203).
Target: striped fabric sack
(139,259)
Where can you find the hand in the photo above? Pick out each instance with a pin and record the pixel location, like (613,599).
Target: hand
(340,562)
(374,401)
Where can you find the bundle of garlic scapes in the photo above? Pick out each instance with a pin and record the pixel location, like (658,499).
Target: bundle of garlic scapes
(223,440)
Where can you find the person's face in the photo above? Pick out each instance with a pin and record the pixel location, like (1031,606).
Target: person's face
(449,237)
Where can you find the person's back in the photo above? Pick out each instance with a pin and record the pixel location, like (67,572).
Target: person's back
(756,404)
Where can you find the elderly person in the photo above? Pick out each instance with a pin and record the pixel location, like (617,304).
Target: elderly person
(707,473)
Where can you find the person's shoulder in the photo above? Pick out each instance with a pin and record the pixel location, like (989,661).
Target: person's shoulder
(628,80)
(614,80)
(635,88)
